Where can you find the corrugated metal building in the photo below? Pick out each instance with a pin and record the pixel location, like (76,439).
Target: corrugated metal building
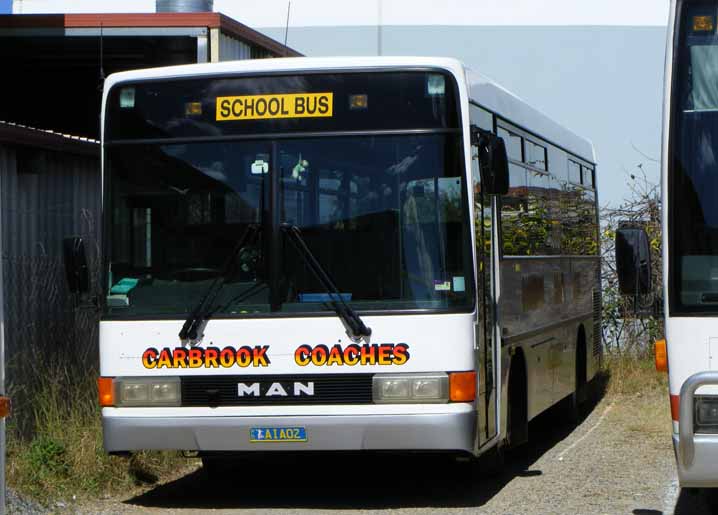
(49,189)
(54,64)
(50,183)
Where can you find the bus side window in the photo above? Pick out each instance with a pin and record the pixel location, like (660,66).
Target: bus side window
(514,208)
(554,215)
(514,144)
(571,237)
(535,155)
(574,172)
(587,220)
(538,222)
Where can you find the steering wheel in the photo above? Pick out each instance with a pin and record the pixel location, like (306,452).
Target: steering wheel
(248,259)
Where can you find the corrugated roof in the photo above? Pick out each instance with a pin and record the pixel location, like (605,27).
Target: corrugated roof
(17,134)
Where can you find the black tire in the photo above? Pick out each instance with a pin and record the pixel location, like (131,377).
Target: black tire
(517,430)
(578,399)
(490,463)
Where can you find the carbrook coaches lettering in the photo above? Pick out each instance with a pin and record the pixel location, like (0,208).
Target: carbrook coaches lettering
(352,355)
(211,357)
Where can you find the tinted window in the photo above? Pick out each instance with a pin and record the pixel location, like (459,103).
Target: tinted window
(537,223)
(587,223)
(513,144)
(514,208)
(574,172)
(587,177)
(210,107)
(535,155)
(571,231)
(386,216)
(693,163)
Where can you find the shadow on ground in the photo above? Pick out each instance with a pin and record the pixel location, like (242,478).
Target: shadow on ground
(369,481)
(694,501)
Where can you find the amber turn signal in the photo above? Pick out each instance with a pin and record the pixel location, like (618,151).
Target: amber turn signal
(105,389)
(661,355)
(462,386)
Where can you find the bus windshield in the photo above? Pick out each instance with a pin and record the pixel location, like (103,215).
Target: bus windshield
(693,163)
(383,210)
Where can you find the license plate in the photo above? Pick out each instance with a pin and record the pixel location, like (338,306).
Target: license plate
(277,434)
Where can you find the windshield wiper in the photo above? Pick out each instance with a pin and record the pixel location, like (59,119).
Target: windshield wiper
(356,330)
(193,327)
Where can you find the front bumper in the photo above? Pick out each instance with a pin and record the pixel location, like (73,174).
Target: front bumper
(452,431)
(702,472)
(696,454)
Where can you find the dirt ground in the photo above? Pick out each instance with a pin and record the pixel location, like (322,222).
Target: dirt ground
(618,460)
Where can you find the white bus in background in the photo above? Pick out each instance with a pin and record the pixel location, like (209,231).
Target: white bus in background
(690,235)
(304,255)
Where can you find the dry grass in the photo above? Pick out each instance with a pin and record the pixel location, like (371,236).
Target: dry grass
(634,383)
(61,455)
(632,375)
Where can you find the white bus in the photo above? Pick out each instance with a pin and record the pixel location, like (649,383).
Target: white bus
(303,255)
(690,232)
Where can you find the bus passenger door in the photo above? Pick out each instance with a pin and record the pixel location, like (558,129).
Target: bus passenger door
(484,336)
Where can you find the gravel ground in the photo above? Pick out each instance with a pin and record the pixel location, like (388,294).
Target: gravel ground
(19,505)
(618,460)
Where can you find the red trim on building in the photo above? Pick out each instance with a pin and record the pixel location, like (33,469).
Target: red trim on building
(23,21)
(232,27)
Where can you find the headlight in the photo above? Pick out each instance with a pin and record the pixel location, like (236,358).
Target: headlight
(411,388)
(706,414)
(145,391)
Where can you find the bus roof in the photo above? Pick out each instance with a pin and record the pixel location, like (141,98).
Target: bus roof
(482,90)
(494,97)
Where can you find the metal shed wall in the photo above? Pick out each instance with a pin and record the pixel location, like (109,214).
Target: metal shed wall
(232,49)
(45,196)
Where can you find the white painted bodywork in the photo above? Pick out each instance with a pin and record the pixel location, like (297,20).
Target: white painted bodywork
(436,342)
(441,342)
(689,351)
(692,342)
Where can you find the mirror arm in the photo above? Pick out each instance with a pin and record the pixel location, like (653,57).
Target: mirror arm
(479,135)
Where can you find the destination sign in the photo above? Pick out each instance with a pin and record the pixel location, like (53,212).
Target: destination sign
(263,107)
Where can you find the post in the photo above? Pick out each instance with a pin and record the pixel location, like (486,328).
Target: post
(4,402)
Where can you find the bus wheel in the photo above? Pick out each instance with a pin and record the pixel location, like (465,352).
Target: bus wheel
(578,398)
(517,427)
(491,462)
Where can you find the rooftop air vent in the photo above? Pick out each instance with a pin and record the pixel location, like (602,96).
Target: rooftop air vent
(184,6)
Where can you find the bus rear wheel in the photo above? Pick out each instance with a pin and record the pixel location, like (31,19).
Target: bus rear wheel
(579,397)
(490,463)
(517,428)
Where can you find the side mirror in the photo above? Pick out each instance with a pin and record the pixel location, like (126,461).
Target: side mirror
(633,261)
(493,161)
(76,270)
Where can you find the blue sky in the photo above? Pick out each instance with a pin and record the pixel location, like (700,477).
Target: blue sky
(5,6)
